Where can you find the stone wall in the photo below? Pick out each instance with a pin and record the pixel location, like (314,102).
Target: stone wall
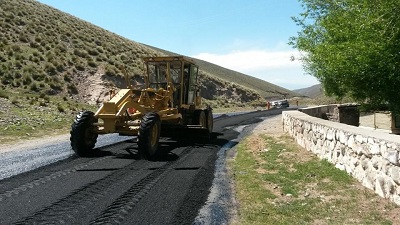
(371,156)
(342,113)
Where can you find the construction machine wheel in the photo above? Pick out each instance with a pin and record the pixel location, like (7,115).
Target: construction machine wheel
(149,135)
(199,118)
(83,135)
(210,120)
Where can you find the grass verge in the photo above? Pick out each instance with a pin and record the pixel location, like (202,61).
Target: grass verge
(27,116)
(278,182)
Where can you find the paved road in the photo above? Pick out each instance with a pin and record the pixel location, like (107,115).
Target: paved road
(116,187)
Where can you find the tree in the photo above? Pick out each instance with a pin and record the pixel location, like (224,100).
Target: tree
(353,48)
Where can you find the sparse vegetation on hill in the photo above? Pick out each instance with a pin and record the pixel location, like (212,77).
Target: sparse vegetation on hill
(51,52)
(57,62)
(312,92)
(47,51)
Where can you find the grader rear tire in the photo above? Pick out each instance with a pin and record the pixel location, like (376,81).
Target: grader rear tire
(199,118)
(83,136)
(149,136)
(202,135)
(210,120)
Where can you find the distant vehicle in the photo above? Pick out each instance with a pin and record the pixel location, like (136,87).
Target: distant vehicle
(280,103)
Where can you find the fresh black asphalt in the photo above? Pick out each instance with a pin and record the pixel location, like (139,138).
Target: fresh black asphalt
(50,185)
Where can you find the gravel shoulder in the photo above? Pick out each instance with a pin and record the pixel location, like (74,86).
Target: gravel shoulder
(33,143)
(272,126)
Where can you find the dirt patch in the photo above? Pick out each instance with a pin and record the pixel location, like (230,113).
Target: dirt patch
(93,89)
(271,126)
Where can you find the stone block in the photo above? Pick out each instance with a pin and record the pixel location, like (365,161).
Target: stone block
(354,161)
(395,199)
(359,173)
(394,173)
(368,183)
(375,162)
(364,162)
(380,186)
(370,140)
(375,149)
(361,139)
(342,137)
(392,156)
(351,141)
(340,166)
(330,135)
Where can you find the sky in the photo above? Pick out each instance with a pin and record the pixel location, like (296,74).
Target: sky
(248,36)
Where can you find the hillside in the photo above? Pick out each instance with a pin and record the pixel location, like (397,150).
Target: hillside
(312,92)
(46,51)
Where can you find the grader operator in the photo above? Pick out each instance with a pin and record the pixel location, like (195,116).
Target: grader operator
(168,105)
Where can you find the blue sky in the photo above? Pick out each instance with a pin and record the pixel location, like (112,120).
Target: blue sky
(247,36)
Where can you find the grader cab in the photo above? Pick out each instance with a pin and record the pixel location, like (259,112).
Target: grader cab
(168,105)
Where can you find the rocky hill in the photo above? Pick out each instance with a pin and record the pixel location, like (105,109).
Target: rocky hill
(46,51)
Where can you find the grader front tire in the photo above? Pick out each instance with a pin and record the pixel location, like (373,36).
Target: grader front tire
(83,136)
(149,136)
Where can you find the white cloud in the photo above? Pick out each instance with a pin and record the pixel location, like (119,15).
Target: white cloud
(272,66)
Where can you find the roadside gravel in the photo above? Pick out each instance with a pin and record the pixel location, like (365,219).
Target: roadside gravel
(34,143)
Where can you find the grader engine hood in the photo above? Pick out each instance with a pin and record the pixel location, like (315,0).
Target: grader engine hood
(131,104)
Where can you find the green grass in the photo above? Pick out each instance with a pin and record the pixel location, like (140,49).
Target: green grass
(33,115)
(271,188)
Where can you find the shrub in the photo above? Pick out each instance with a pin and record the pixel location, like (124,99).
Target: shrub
(60,67)
(56,87)
(93,52)
(80,66)
(27,80)
(38,76)
(60,108)
(92,64)
(34,87)
(66,78)
(80,53)
(72,89)
(23,38)
(42,104)
(4,94)
(33,44)
(50,69)
(15,101)
(16,83)
(16,48)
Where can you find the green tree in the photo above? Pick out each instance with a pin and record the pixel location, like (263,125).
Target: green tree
(353,48)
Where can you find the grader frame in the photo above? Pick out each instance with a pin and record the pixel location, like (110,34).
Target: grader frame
(170,103)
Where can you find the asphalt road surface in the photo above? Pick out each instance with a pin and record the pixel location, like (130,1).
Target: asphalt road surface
(50,185)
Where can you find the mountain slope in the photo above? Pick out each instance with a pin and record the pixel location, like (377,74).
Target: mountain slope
(312,92)
(46,51)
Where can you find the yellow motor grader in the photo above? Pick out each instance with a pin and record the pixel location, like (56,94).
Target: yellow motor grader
(169,105)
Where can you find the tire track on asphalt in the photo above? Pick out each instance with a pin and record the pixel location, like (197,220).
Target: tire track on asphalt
(65,211)
(40,181)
